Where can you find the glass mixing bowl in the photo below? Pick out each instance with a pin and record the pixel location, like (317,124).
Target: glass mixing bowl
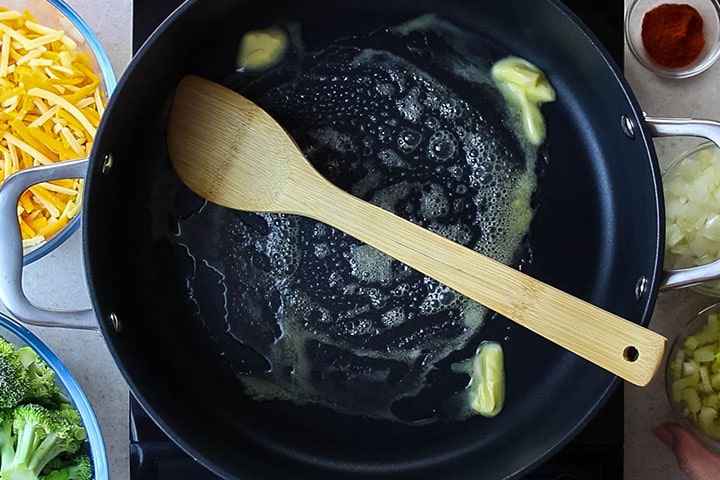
(684,404)
(57,14)
(710,12)
(20,336)
(691,185)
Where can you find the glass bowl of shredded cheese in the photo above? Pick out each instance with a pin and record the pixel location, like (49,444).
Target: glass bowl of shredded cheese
(55,79)
(692,377)
(691,187)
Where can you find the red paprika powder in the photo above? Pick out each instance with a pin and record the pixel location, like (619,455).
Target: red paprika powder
(672,34)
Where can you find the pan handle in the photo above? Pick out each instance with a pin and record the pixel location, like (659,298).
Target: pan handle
(11,253)
(686,127)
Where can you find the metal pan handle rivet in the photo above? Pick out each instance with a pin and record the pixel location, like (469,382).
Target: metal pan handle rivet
(628,126)
(107,163)
(114,321)
(641,287)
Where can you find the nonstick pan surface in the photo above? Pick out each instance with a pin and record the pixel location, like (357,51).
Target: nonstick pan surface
(597,233)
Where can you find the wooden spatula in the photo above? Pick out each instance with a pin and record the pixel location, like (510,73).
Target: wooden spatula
(231,152)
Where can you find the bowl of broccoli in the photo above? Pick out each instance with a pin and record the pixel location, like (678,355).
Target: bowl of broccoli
(48,430)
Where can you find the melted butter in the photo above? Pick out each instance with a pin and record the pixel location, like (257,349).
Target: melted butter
(487,385)
(311,315)
(526,87)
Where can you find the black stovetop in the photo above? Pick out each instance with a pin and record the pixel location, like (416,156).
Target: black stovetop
(595,454)
(603,17)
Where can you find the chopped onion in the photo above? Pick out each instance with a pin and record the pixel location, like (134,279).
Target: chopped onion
(692,210)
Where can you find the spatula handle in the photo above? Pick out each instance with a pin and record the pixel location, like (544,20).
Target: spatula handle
(624,348)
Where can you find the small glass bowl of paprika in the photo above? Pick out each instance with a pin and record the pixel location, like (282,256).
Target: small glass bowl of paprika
(674,40)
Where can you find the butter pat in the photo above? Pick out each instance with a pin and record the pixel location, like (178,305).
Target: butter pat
(525,87)
(487,386)
(261,49)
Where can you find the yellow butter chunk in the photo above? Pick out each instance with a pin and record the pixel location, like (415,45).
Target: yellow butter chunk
(526,87)
(51,102)
(260,49)
(487,387)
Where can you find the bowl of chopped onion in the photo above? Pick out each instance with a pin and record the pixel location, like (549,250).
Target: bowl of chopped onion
(691,187)
(55,79)
(693,376)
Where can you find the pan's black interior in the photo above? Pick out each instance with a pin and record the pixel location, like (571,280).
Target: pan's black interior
(596,233)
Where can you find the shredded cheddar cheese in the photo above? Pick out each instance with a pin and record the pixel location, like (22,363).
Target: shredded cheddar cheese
(51,102)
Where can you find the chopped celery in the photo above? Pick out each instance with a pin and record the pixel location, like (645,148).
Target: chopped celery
(695,377)
(709,333)
(688,368)
(706,416)
(676,365)
(707,421)
(680,384)
(691,343)
(705,379)
(711,400)
(705,354)
(692,399)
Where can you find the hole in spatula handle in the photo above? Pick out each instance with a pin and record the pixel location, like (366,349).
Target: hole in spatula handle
(631,354)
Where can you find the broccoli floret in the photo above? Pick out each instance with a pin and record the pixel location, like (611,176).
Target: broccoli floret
(42,386)
(7,439)
(40,435)
(26,378)
(41,432)
(14,378)
(78,467)
(71,416)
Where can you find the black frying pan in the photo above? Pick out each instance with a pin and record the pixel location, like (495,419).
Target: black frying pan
(597,234)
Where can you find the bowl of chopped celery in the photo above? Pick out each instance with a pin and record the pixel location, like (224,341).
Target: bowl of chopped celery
(55,79)
(693,376)
(691,187)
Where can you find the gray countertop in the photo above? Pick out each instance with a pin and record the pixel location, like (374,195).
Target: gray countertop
(698,97)
(85,353)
